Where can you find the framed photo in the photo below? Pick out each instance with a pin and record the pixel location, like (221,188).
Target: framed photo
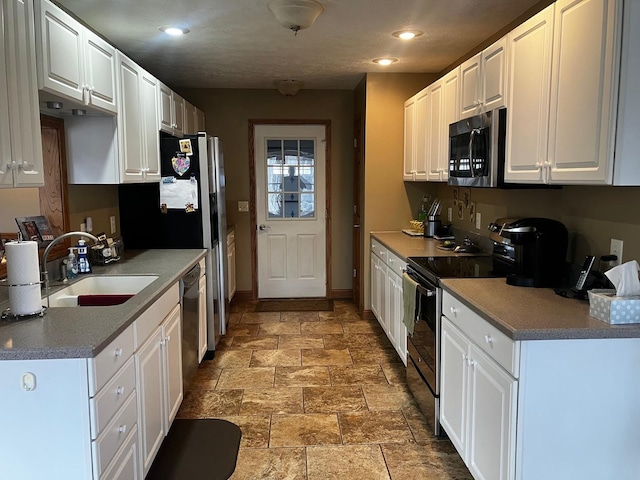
(35,229)
(472,212)
(456,193)
(467,198)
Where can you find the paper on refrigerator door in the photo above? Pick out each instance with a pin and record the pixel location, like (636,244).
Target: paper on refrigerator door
(179,194)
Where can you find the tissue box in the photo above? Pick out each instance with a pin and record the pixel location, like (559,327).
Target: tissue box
(605,306)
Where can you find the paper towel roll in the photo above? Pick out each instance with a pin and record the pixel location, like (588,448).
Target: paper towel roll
(22,263)
(25,300)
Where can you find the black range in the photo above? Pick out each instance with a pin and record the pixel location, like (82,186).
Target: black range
(435,268)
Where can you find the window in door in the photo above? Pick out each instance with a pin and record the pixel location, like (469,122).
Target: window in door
(291,179)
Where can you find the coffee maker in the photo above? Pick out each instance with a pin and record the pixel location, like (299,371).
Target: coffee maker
(531,252)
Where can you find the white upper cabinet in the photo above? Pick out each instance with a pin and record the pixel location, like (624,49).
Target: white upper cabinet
(416,146)
(584,82)
(73,62)
(200,125)
(189,119)
(450,114)
(482,80)
(171,107)
(436,157)
(529,53)
(137,123)
(21,162)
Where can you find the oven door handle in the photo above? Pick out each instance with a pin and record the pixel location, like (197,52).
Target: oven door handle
(425,292)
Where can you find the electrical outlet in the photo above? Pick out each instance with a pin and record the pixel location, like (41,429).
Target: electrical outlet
(478,220)
(450,214)
(112,221)
(616,249)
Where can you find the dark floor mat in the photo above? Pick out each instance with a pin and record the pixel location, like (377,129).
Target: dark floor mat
(198,449)
(295,305)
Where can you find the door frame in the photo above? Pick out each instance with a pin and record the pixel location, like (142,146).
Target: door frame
(252,194)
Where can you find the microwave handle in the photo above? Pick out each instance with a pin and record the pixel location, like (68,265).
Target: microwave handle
(474,132)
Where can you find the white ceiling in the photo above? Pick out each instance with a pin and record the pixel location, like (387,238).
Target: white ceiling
(239,43)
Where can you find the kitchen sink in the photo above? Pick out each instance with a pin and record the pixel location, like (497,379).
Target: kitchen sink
(100,290)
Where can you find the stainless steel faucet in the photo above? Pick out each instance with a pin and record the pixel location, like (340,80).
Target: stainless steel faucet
(45,273)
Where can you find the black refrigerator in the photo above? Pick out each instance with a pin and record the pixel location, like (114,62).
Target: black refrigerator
(186,209)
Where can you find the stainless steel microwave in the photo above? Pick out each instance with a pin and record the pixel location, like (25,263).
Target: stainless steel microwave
(477,150)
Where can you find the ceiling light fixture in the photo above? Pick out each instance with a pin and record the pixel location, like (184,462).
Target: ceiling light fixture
(296,14)
(174,31)
(288,88)
(407,34)
(384,61)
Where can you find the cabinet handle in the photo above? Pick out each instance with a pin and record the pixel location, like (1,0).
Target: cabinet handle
(27,168)
(464,357)
(168,338)
(453,311)
(470,362)
(120,390)
(118,352)
(122,429)
(163,342)
(488,339)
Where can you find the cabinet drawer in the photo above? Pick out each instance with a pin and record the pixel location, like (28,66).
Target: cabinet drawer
(125,465)
(231,237)
(108,361)
(153,316)
(111,397)
(379,250)
(491,340)
(395,263)
(114,435)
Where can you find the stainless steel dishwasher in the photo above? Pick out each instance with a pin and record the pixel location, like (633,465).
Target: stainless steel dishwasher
(189,293)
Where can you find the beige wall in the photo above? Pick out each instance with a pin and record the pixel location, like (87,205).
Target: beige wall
(227,115)
(17,202)
(593,215)
(99,202)
(386,203)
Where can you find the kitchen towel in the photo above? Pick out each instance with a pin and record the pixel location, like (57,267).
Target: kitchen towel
(409,295)
(625,278)
(23,277)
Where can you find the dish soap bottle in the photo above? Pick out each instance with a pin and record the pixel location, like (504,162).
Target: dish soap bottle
(72,265)
(83,261)
(422,214)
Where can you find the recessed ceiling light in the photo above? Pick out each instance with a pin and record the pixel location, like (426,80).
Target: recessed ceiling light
(407,34)
(174,31)
(384,61)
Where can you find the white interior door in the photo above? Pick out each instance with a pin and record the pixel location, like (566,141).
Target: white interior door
(290,210)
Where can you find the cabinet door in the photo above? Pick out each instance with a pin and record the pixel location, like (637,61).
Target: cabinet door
(200,125)
(529,63)
(100,72)
(149,127)
(60,64)
(202,320)
(375,300)
(6,172)
(172,343)
(409,146)
(397,330)
(450,114)
(390,304)
(435,127)
(494,72)
(151,394)
(178,114)
(453,385)
(492,419)
(24,109)
(189,119)
(421,135)
(583,88)
(130,121)
(470,83)
(126,466)
(165,105)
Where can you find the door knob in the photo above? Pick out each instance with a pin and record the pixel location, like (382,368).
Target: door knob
(262,227)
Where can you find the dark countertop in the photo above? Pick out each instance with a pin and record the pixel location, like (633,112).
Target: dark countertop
(82,332)
(533,313)
(405,245)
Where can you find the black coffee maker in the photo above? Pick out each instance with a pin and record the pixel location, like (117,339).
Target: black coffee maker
(530,251)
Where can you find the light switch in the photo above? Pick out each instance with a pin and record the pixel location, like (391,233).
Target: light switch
(243,206)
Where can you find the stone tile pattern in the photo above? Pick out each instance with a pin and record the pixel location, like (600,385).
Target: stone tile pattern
(317,395)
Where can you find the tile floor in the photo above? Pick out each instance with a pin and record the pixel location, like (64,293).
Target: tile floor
(318,395)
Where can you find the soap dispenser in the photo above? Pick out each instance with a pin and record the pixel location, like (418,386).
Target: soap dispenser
(83,261)
(72,265)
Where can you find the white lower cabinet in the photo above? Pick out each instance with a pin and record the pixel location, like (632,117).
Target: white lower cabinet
(477,406)
(386,295)
(95,418)
(526,410)
(159,372)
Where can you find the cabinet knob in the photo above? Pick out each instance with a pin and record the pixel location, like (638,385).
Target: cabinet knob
(122,429)
(118,352)
(488,339)
(453,311)
(120,390)
(168,338)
